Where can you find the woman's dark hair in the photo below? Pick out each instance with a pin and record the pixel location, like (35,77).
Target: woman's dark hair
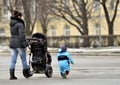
(16,13)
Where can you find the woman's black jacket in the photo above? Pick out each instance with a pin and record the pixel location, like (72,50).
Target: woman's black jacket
(17,30)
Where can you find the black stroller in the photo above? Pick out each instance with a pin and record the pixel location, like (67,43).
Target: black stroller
(40,59)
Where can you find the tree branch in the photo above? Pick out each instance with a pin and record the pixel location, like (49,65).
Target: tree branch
(115,13)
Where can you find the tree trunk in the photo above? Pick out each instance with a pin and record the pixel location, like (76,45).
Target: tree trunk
(86,38)
(110,38)
(27,29)
(44,28)
(85,29)
(27,17)
(86,41)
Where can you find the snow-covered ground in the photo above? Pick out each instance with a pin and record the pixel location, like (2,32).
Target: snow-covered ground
(4,48)
(77,50)
(82,50)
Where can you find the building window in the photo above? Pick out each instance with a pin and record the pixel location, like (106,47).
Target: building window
(2,32)
(111,4)
(5,10)
(66,30)
(52,31)
(96,5)
(97,29)
(66,2)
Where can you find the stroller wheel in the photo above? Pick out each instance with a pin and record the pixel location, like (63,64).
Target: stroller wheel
(49,71)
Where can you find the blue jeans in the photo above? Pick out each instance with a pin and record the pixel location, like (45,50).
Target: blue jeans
(14,55)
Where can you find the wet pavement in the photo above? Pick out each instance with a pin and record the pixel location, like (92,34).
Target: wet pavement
(87,70)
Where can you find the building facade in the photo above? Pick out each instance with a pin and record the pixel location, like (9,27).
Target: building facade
(59,27)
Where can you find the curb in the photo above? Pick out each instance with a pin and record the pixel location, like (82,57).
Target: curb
(82,51)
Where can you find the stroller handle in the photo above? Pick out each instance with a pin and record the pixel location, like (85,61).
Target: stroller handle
(34,40)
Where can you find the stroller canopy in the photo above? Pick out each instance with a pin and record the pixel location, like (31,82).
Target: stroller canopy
(39,36)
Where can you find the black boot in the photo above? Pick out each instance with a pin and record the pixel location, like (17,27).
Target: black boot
(27,73)
(12,74)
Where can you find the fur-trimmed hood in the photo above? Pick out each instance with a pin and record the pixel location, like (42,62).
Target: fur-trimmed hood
(15,20)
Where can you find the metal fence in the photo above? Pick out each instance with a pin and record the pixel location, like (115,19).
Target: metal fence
(78,41)
(74,41)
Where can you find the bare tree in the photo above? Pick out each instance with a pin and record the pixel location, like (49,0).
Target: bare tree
(12,5)
(44,14)
(36,10)
(27,5)
(29,8)
(110,20)
(77,14)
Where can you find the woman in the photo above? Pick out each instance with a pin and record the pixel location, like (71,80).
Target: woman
(64,60)
(18,44)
